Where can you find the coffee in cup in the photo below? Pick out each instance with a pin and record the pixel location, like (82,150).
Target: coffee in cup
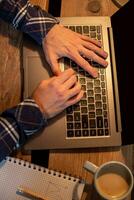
(112,180)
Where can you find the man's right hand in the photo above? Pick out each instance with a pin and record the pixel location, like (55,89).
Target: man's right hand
(63,42)
(57,93)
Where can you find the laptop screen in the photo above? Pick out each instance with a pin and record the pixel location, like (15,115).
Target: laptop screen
(122,23)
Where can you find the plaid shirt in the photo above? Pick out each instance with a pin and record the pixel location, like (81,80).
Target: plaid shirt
(19,123)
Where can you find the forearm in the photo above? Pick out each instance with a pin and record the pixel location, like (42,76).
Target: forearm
(28,18)
(18,124)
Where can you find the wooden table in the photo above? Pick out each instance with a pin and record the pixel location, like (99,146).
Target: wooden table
(11,62)
(11,43)
(70,161)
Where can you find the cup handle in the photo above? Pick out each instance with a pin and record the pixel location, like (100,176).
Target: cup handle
(90,167)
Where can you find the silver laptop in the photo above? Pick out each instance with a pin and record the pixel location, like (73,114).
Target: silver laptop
(96,120)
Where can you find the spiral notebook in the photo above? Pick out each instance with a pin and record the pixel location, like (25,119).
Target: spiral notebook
(51,185)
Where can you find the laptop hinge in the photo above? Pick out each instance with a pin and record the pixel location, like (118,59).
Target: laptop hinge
(114,77)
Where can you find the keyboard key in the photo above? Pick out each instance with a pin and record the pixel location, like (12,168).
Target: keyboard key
(92,28)
(92,132)
(97,90)
(99,122)
(106,132)
(77,116)
(76,107)
(91,107)
(105,113)
(99,36)
(78,29)
(77,133)
(100,132)
(77,125)
(102,70)
(97,97)
(82,80)
(105,123)
(98,29)
(91,114)
(83,102)
(84,95)
(84,109)
(90,92)
(98,111)
(92,123)
(103,91)
(104,99)
(85,132)
(83,87)
(93,34)
(70,133)
(105,106)
(70,118)
(90,99)
(72,28)
(89,85)
(86,29)
(70,126)
(98,104)
(102,78)
(103,84)
(84,121)
(69,110)
(96,83)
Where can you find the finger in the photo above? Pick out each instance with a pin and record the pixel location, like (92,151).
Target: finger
(64,76)
(84,64)
(70,82)
(55,66)
(96,49)
(75,99)
(86,38)
(91,55)
(89,39)
(74,90)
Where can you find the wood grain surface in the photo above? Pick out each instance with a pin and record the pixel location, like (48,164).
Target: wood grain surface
(11,62)
(82,8)
(11,43)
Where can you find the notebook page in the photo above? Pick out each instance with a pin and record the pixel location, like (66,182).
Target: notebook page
(49,184)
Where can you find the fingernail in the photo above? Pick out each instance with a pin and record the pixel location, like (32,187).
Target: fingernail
(106,64)
(95,74)
(106,54)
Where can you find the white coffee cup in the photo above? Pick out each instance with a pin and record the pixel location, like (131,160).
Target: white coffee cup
(113,180)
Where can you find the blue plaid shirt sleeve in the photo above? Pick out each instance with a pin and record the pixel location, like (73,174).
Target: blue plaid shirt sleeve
(18,124)
(22,15)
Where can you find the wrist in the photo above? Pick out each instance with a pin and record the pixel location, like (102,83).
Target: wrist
(41,107)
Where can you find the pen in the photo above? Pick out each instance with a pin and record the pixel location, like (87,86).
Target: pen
(29,193)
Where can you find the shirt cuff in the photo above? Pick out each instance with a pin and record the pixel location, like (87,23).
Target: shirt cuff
(18,124)
(27,117)
(37,23)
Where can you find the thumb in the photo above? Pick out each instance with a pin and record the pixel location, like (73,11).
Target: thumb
(55,66)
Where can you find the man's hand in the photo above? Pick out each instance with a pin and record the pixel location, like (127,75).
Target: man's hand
(57,93)
(62,42)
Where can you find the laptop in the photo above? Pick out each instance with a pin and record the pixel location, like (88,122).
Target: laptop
(103,117)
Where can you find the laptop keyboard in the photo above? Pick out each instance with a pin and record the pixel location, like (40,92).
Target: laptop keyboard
(89,117)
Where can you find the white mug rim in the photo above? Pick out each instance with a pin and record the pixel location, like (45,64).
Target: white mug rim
(119,163)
